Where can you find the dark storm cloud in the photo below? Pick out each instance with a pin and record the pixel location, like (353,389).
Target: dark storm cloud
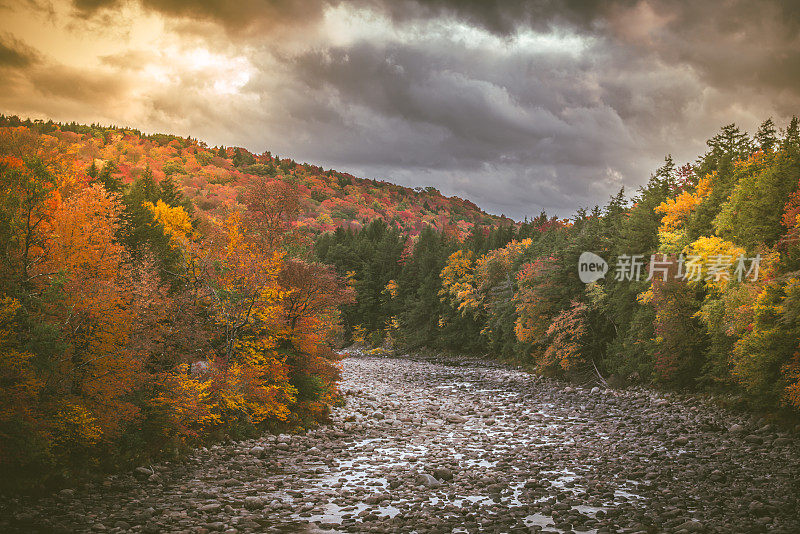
(517,131)
(235,16)
(498,16)
(737,42)
(17,61)
(741,41)
(16,54)
(755,44)
(80,85)
(479,106)
(594,98)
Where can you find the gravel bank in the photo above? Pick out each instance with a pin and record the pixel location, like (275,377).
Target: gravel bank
(461,446)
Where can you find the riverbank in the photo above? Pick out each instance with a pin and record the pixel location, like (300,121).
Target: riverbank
(444,444)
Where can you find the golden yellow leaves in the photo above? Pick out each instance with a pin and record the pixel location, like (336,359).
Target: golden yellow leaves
(201,404)
(466,282)
(76,427)
(458,281)
(391,289)
(176,222)
(676,210)
(715,261)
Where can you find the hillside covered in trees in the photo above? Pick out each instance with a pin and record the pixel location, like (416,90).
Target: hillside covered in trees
(214,179)
(701,293)
(137,321)
(157,294)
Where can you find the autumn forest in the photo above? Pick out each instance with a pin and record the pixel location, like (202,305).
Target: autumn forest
(158,294)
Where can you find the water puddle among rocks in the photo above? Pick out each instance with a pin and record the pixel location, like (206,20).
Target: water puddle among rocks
(468,457)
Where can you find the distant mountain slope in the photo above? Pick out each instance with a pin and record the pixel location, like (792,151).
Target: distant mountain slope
(214,178)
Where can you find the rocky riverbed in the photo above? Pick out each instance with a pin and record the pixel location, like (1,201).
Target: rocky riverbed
(451,445)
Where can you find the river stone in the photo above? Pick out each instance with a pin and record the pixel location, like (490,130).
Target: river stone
(443,473)
(691,526)
(253,503)
(428,481)
(213,507)
(142,472)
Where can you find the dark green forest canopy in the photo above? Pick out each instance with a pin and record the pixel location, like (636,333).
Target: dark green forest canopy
(513,291)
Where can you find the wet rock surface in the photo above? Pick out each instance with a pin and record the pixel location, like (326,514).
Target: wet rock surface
(461,446)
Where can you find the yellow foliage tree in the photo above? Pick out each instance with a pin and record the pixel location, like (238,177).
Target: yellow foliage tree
(458,282)
(495,267)
(176,222)
(676,210)
(391,289)
(672,235)
(715,261)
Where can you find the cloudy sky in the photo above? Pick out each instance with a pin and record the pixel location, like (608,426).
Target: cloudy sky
(518,106)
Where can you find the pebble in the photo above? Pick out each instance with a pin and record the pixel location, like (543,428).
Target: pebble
(429,481)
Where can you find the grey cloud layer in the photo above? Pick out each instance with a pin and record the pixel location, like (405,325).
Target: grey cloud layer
(516,131)
(556,123)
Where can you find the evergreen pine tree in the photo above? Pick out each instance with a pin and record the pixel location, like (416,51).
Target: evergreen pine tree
(107,178)
(766,136)
(92,172)
(791,140)
(170,192)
